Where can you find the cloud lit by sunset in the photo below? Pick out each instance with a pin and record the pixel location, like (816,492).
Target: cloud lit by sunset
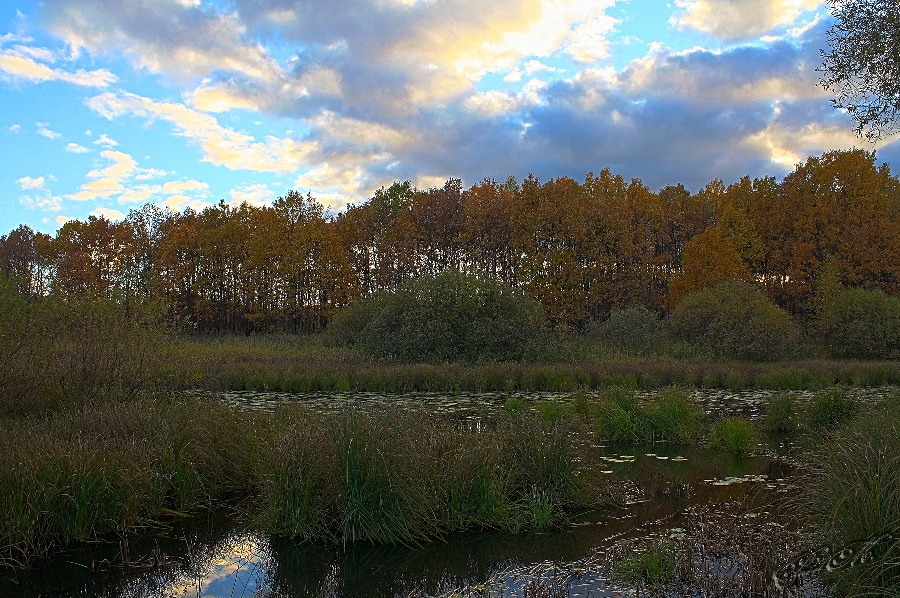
(111,104)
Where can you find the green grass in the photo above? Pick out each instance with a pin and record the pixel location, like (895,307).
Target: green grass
(830,409)
(780,414)
(731,434)
(852,493)
(392,476)
(649,562)
(618,417)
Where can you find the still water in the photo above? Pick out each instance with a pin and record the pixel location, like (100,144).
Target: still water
(215,556)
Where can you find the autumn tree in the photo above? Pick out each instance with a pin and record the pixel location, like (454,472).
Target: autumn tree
(709,258)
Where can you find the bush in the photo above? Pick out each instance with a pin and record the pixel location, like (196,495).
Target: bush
(451,317)
(635,330)
(862,324)
(735,320)
(347,326)
(57,351)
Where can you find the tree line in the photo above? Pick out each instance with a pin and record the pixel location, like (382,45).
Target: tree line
(580,249)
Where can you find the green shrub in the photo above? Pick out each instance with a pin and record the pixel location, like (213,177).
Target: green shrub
(731,433)
(451,317)
(635,330)
(346,327)
(735,320)
(862,324)
(65,351)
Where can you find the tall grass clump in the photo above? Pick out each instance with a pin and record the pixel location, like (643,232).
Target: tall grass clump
(673,417)
(780,414)
(298,478)
(388,488)
(404,477)
(830,409)
(735,320)
(851,493)
(619,417)
(80,474)
(732,434)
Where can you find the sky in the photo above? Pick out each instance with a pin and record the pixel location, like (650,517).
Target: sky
(106,105)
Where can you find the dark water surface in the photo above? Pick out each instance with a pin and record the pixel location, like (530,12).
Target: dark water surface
(214,556)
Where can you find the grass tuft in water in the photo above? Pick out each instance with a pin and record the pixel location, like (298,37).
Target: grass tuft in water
(852,493)
(830,409)
(648,562)
(731,434)
(780,414)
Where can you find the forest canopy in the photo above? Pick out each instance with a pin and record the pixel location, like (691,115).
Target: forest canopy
(581,250)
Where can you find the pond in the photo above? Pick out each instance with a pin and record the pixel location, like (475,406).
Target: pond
(215,556)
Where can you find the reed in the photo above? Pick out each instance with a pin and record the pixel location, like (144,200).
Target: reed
(830,409)
(303,364)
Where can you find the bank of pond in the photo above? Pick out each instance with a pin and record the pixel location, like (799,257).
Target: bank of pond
(670,492)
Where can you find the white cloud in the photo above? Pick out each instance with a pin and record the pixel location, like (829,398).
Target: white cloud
(26,182)
(185,40)
(74,148)
(107,181)
(740,19)
(46,132)
(15,128)
(341,146)
(146,174)
(179,187)
(15,64)
(139,194)
(492,103)
(39,198)
(108,213)
(222,146)
(60,220)
(786,144)
(105,141)
(255,195)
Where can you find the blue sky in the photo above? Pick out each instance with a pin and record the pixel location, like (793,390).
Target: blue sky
(107,105)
